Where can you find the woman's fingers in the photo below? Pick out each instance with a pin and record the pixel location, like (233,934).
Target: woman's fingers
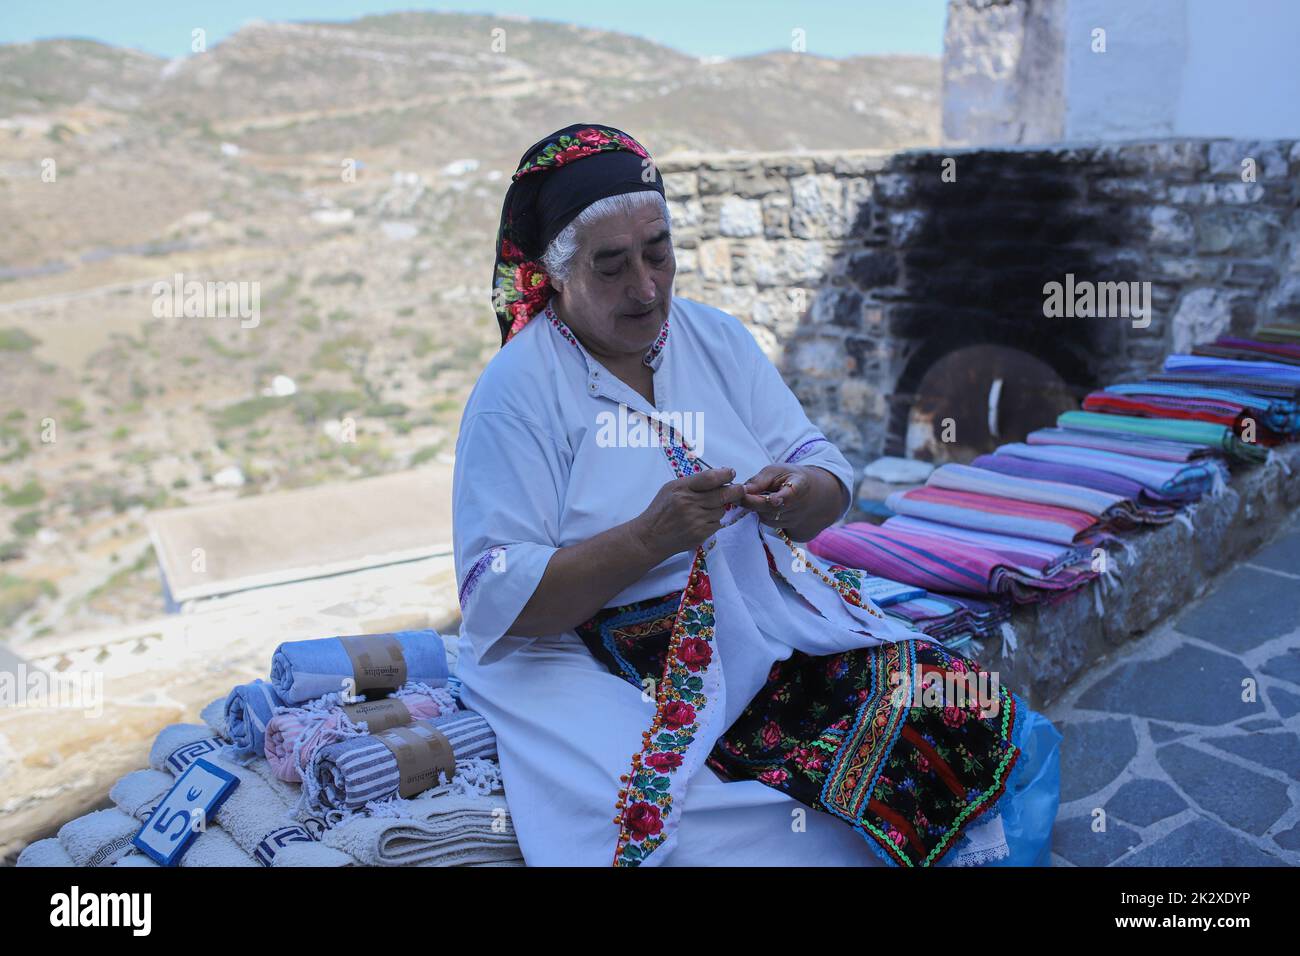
(710,479)
(764,480)
(791,488)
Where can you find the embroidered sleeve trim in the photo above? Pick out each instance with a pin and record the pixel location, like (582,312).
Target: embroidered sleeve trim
(476,573)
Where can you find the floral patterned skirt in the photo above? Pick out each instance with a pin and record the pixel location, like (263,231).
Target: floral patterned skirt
(908,743)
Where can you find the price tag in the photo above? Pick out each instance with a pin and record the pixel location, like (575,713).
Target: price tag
(184,812)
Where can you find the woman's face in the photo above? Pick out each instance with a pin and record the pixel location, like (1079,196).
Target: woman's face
(621,283)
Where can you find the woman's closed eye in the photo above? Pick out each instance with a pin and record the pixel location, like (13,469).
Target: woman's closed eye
(657,260)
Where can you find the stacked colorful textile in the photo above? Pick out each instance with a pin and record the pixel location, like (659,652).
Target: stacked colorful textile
(294,734)
(1273,419)
(1022,519)
(954,620)
(1218,437)
(1282,332)
(1163,480)
(367,796)
(259,825)
(1148,507)
(1023,522)
(943,563)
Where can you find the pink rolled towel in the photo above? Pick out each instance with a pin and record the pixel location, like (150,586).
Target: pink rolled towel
(295,733)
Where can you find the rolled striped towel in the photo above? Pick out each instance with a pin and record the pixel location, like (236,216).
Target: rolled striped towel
(295,734)
(304,670)
(352,773)
(249,708)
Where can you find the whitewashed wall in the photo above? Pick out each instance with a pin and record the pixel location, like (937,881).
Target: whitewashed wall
(1026,71)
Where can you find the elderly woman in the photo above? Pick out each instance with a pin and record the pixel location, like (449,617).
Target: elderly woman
(671,677)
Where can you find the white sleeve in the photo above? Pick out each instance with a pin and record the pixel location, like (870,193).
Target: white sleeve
(507,491)
(781,424)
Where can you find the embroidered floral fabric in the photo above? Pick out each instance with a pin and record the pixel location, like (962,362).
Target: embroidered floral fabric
(828,731)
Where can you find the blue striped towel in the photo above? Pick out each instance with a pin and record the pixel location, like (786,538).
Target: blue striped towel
(249,708)
(349,774)
(305,670)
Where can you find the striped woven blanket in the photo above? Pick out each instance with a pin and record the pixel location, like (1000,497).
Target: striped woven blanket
(941,564)
(1200,433)
(1149,506)
(1135,445)
(1174,481)
(1021,519)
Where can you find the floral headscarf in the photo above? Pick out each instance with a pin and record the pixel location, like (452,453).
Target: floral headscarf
(545,194)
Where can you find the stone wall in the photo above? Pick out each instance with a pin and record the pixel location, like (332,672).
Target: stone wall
(857,271)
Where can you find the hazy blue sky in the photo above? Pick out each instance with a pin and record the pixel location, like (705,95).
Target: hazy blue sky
(698,27)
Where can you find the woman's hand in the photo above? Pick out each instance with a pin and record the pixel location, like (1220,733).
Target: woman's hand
(802,499)
(686,511)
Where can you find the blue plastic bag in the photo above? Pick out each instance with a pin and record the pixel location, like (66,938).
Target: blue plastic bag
(1033,793)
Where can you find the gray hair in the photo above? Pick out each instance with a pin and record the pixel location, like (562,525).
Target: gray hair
(559,255)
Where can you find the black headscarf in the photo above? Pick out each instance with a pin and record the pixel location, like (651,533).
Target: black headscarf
(548,190)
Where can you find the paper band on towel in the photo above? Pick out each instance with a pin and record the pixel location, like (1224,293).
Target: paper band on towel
(379,715)
(377,662)
(421,751)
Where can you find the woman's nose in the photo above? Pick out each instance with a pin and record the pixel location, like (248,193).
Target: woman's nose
(643,290)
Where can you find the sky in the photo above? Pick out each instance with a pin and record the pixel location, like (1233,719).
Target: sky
(698,27)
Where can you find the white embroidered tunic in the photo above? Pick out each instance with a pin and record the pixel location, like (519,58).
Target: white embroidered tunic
(551,452)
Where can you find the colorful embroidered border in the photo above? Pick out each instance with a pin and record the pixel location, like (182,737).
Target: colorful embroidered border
(802,449)
(646,803)
(860,756)
(565,331)
(619,627)
(474,573)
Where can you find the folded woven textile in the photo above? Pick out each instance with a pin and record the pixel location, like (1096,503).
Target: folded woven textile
(1255,386)
(294,734)
(1139,446)
(1021,519)
(1269,422)
(249,708)
(886,593)
(1043,558)
(358,771)
(1116,511)
(438,828)
(1227,346)
(950,618)
(939,564)
(1175,481)
(304,670)
(1261,370)
(1279,332)
(1149,506)
(1201,433)
(1279,414)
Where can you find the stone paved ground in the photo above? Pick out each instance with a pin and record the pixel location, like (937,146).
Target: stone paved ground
(1168,758)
